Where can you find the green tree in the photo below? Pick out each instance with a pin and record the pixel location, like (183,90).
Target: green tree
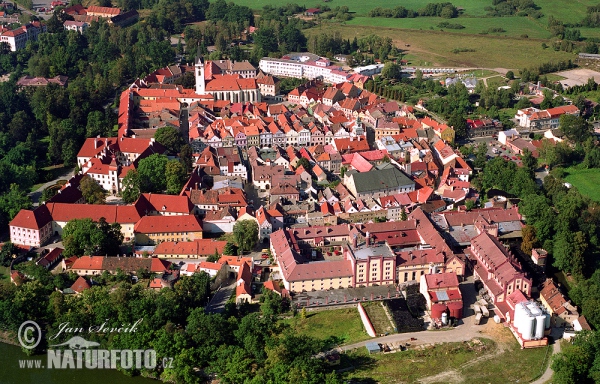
(403,215)
(569,252)
(186,158)
(391,70)
(131,186)
(575,128)
(458,122)
(7,251)
(87,237)
(510,75)
(170,137)
(529,239)
(152,173)
(92,192)
(305,164)
(214,257)
(175,175)
(230,249)
(529,162)
(578,361)
(13,201)
(245,233)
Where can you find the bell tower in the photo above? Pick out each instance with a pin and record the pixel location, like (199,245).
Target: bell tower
(199,73)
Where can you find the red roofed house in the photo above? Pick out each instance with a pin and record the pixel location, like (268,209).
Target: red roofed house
(189,249)
(80,285)
(441,288)
(497,268)
(156,229)
(243,289)
(52,258)
(88,265)
(274,286)
(95,10)
(32,228)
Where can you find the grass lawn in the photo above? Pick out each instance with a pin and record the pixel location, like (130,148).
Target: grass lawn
(514,26)
(409,366)
(454,362)
(585,180)
(344,324)
(378,318)
(428,47)
(472,7)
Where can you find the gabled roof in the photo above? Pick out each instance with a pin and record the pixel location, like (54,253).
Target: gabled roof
(162,224)
(36,219)
(80,285)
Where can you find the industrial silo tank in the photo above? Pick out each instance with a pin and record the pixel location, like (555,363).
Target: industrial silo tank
(534,309)
(540,322)
(444,318)
(547,321)
(520,317)
(528,329)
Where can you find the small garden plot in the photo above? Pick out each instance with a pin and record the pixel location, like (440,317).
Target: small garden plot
(402,316)
(378,318)
(415,300)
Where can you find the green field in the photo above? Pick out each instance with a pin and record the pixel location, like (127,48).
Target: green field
(429,47)
(585,180)
(412,365)
(453,362)
(342,324)
(514,26)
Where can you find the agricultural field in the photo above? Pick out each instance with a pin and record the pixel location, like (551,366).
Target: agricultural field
(513,26)
(429,47)
(585,180)
(342,324)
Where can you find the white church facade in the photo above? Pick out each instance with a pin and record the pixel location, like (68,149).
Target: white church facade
(233,88)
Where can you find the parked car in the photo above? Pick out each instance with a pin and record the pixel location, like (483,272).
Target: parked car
(264,256)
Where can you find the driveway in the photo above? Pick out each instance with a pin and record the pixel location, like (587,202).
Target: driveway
(217,304)
(35,195)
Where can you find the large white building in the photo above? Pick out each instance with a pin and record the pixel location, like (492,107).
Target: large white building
(309,69)
(18,38)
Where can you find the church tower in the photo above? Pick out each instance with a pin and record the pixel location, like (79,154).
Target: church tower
(199,72)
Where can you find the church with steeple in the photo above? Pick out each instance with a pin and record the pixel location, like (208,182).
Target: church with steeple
(226,80)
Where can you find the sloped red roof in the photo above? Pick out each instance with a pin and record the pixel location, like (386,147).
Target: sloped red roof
(80,285)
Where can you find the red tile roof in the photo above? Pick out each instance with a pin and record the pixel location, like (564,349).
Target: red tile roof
(80,285)
(29,219)
(163,224)
(90,263)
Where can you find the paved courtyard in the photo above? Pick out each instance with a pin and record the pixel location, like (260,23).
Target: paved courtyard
(346,296)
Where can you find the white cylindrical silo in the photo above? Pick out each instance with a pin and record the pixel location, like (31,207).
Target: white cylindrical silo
(534,309)
(444,318)
(540,321)
(528,328)
(520,316)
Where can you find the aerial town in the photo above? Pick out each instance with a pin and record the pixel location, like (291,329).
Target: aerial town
(302,189)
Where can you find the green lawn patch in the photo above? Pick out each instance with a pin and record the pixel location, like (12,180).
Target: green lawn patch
(378,318)
(525,365)
(344,324)
(450,359)
(585,180)
(412,365)
(513,26)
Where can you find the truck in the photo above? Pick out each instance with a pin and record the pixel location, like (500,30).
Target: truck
(478,319)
